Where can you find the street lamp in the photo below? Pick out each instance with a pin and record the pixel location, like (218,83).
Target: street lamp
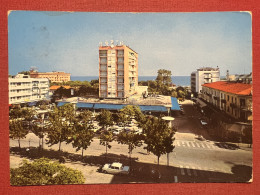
(168,109)
(168,119)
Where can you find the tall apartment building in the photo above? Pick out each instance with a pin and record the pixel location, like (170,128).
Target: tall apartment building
(23,89)
(57,77)
(202,76)
(118,71)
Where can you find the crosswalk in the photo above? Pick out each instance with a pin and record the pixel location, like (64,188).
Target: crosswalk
(193,171)
(203,145)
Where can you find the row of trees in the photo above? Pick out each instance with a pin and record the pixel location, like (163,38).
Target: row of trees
(80,88)
(163,85)
(66,127)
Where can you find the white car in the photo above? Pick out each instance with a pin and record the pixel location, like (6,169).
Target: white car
(117,131)
(116,168)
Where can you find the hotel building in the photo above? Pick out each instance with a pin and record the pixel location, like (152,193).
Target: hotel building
(233,98)
(23,89)
(57,77)
(203,75)
(118,71)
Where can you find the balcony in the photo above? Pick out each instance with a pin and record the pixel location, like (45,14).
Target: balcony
(233,105)
(207,76)
(223,101)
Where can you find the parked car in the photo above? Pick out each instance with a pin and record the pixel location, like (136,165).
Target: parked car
(116,168)
(94,128)
(203,122)
(117,131)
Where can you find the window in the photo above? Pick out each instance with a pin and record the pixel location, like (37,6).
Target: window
(228,97)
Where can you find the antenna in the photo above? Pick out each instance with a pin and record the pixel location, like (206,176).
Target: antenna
(34,69)
(116,42)
(100,44)
(106,43)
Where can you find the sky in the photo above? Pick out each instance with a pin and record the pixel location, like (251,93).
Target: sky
(179,42)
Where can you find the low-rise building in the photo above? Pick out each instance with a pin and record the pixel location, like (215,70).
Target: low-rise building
(233,98)
(54,76)
(23,89)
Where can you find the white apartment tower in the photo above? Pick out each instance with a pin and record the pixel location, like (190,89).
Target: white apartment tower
(202,76)
(23,89)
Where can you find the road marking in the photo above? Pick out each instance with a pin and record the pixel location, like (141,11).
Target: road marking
(192,144)
(202,145)
(178,143)
(197,145)
(182,171)
(175,179)
(208,146)
(188,170)
(188,144)
(183,143)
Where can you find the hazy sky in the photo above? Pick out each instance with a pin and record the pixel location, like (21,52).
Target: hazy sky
(180,42)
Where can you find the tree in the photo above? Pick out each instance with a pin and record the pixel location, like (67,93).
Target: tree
(16,130)
(163,78)
(24,72)
(86,116)
(105,138)
(62,92)
(128,112)
(62,120)
(158,137)
(44,172)
(247,138)
(82,137)
(105,118)
(131,139)
(39,131)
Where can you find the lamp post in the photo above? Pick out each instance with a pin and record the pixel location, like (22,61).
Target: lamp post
(169,120)
(168,109)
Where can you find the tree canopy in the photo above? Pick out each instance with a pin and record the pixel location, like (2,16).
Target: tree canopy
(158,136)
(16,130)
(105,118)
(44,172)
(62,121)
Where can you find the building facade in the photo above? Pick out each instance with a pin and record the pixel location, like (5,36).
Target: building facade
(118,71)
(233,98)
(203,75)
(23,89)
(57,77)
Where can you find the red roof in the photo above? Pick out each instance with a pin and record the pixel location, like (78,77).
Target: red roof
(231,87)
(55,87)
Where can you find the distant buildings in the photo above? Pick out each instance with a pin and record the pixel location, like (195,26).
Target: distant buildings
(57,77)
(242,78)
(118,71)
(23,89)
(233,98)
(203,75)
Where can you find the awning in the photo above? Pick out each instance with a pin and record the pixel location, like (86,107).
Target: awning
(109,106)
(62,103)
(84,105)
(175,104)
(201,103)
(153,108)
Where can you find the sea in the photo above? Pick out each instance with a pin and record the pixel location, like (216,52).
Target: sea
(177,80)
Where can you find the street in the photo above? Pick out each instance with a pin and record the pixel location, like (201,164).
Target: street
(192,160)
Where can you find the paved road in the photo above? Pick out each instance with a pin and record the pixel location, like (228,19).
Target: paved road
(194,160)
